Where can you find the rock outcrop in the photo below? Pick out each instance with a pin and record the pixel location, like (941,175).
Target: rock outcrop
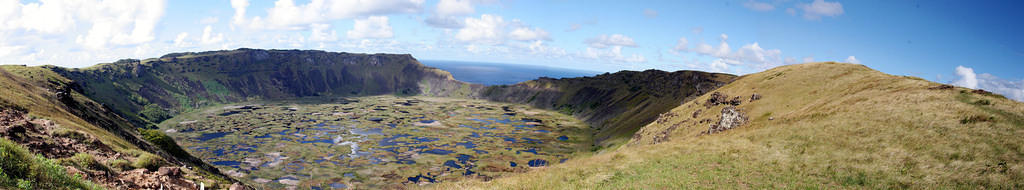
(731,117)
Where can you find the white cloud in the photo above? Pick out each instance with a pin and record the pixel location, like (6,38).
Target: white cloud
(605,41)
(1011,89)
(808,59)
(319,33)
(488,29)
(95,25)
(209,38)
(494,30)
(539,48)
(180,40)
(967,77)
(853,60)
(447,11)
(681,44)
(613,54)
(454,7)
(650,13)
(372,27)
(209,20)
(285,14)
(527,34)
(240,8)
(750,55)
(758,6)
(819,8)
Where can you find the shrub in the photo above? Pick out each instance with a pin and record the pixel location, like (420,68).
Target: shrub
(120,165)
(976,118)
(22,170)
(149,161)
(86,162)
(164,142)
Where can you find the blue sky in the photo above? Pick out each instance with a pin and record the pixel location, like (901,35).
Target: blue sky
(966,43)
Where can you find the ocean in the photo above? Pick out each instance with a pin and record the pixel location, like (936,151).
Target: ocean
(502,73)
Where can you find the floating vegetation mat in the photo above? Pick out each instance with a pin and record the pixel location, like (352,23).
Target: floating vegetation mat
(377,141)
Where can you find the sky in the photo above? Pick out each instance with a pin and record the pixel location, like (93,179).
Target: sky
(974,44)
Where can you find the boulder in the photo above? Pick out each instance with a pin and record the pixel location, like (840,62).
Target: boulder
(732,117)
(169,171)
(754,97)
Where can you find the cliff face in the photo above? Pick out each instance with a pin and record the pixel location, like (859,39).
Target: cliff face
(616,104)
(149,91)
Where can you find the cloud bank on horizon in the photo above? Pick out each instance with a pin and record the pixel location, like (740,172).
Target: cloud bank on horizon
(737,36)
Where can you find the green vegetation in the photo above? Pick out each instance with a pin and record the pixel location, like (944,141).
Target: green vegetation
(617,104)
(859,129)
(85,162)
(22,170)
(149,161)
(355,141)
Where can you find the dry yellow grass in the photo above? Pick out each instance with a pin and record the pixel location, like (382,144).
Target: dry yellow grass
(835,126)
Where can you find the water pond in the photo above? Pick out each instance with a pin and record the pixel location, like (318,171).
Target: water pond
(377,142)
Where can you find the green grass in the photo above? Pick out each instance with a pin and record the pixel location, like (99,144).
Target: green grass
(856,129)
(19,169)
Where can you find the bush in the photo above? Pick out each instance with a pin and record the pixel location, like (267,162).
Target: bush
(149,161)
(164,142)
(22,170)
(120,165)
(86,162)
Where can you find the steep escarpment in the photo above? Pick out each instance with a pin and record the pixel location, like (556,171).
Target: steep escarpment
(42,113)
(617,104)
(149,91)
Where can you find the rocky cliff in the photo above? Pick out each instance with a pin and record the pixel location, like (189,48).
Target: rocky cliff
(149,91)
(617,104)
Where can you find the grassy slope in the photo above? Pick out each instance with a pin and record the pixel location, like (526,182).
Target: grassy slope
(835,126)
(26,87)
(38,90)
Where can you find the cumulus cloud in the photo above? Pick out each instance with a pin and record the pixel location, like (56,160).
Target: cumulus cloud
(613,54)
(758,6)
(454,7)
(494,30)
(681,44)
(180,40)
(853,60)
(319,33)
(371,27)
(750,55)
(106,22)
(488,29)
(70,32)
(969,79)
(527,34)
(209,38)
(605,41)
(819,8)
(287,15)
(446,13)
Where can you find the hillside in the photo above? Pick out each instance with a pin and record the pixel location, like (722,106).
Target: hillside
(152,90)
(616,104)
(815,125)
(49,128)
